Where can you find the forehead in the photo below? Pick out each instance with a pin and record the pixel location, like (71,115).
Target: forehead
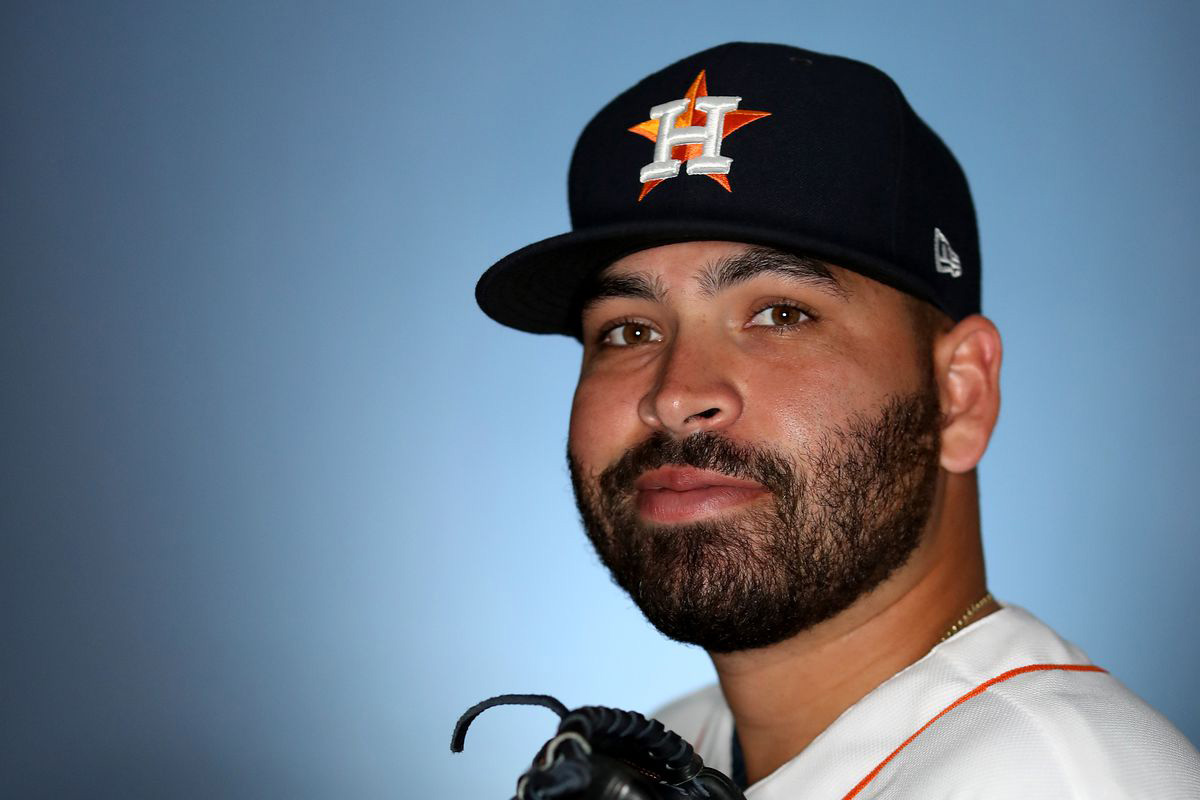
(708,268)
(678,260)
(699,271)
(859,314)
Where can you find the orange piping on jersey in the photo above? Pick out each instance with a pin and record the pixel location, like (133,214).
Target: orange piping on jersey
(980,689)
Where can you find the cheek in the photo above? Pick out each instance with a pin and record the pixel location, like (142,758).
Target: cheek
(797,406)
(800,403)
(604,422)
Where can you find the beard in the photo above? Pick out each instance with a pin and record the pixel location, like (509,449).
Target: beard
(841,519)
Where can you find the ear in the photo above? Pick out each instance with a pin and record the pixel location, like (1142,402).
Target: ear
(967,364)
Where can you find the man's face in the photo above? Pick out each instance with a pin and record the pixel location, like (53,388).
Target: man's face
(754,438)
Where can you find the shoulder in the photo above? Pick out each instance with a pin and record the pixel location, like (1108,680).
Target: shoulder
(1052,733)
(1051,728)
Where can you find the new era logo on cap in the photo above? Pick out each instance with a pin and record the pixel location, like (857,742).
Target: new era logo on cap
(944,256)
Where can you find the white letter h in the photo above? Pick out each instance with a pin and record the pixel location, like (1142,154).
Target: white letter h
(710,161)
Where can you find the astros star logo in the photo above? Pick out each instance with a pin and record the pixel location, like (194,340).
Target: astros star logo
(691,129)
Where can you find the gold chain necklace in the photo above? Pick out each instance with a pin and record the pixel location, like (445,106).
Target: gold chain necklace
(966,617)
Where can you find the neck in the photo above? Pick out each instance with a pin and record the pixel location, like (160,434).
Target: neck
(784,695)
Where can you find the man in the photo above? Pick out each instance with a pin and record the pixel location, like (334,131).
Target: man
(785,390)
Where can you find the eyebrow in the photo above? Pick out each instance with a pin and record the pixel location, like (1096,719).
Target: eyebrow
(721,275)
(634,285)
(736,269)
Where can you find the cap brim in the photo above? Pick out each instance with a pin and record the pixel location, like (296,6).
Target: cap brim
(541,288)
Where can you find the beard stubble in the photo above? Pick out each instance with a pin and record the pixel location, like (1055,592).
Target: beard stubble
(841,519)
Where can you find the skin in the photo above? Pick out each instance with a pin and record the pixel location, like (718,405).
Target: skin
(723,362)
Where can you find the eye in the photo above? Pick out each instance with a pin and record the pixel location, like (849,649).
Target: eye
(779,315)
(624,334)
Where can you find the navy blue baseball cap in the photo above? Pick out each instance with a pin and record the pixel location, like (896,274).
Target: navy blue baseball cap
(758,143)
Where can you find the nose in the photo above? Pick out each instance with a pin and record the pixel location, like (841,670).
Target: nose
(691,393)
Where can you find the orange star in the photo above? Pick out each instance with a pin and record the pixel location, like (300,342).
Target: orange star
(682,152)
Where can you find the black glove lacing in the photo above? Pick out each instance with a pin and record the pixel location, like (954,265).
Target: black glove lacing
(565,764)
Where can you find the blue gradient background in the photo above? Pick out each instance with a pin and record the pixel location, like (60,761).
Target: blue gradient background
(278,502)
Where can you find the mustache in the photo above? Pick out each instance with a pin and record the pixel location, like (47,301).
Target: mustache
(703,450)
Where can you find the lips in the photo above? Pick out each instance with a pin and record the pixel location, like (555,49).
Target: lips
(683,494)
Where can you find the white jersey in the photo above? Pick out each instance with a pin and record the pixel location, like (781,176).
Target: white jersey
(1004,709)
